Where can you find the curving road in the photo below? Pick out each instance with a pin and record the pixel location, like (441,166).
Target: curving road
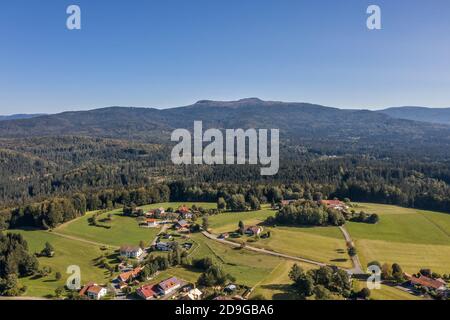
(264,251)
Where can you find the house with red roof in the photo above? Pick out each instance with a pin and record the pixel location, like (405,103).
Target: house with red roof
(430,283)
(93,291)
(151,223)
(334,204)
(126,276)
(183,209)
(147,292)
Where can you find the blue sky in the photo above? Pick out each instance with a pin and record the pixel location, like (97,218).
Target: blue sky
(163,53)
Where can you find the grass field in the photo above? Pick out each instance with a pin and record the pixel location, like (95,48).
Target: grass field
(67,252)
(226,222)
(320,244)
(413,238)
(249,268)
(323,244)
(276,285)
(124,230)
(385,293)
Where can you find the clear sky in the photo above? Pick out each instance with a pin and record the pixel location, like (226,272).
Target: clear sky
(163,53)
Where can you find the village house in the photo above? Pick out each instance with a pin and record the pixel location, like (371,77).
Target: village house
(253,231)
(147,292)
(335,204)
(170,285)
(133,252)
(193,294)
(182,224)
(434,284)
(183,209)
(165,246)
(151,223)
(126,276)
(160,210)
(93,291)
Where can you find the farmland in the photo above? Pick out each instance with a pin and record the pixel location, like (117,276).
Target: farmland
(67,252)
(323,244)
(413,238)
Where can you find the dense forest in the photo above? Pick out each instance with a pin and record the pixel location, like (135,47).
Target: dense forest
(54,168)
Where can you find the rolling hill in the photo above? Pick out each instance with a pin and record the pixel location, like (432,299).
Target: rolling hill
(20,116)
(432,115)
(296,121)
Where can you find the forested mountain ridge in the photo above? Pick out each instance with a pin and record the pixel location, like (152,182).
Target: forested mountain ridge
(432,115)
(103,153)
(296,121)
(20,116)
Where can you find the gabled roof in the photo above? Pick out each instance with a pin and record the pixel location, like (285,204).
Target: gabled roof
(332,202)
(183,223)
(86,288)
(147,291)
(183,209)
(129,274)
(91,287)
(426,282)
(126,248)
(95,289)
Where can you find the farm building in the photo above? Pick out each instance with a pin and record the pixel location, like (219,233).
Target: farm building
(435,284)
(254,230)
(334,204)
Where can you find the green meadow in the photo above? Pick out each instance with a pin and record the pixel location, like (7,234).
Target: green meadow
(322,244)
(123,230)
(413,238)
(67,252)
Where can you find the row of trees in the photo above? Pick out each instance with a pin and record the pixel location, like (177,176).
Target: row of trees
(322,283)
(307,213)
(15,261)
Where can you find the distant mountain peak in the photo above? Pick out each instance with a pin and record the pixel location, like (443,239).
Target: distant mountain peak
(231,103)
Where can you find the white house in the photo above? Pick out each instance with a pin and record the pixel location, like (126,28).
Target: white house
(194,294)
(170,285)
(133,252)
(151,223)
(93,291)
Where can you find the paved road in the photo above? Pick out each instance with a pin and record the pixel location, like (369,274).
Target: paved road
(357,268)
(264,251)
(163,229)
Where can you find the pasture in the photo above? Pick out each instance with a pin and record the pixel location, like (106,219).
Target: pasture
(413,238)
